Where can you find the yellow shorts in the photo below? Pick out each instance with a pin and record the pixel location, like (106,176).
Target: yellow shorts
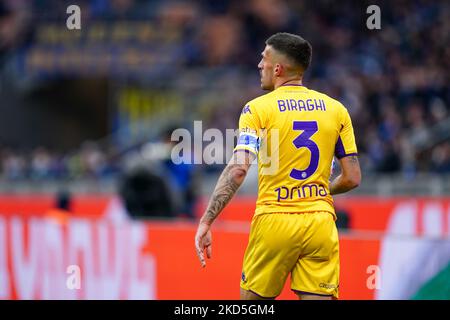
(303,244)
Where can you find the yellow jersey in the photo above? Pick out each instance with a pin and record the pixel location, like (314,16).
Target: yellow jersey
(295,133)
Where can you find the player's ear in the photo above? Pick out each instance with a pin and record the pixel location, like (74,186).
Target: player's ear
(278,69)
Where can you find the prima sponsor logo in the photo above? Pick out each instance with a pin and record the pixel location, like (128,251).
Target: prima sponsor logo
(305,191)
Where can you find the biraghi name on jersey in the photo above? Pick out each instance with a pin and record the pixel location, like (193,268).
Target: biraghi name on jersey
(301,105)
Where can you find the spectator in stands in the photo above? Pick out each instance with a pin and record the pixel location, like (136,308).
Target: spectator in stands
(440,158)
(395,87)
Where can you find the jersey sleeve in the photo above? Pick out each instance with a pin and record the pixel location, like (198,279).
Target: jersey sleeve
(345,144)
(249,130)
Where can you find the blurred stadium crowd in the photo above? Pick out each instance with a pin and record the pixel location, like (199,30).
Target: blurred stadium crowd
(41,164)
(394,81)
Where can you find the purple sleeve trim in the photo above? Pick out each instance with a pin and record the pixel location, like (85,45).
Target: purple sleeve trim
(348,155)
(339,150)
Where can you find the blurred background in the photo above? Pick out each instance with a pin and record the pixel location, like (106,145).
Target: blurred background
(86,176)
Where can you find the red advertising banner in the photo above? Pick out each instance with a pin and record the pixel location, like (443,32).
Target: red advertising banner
(365,213)
(93,256)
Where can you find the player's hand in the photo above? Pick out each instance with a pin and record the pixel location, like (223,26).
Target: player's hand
(203,240)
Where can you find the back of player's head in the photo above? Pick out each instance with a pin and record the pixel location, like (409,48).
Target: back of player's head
(294,47)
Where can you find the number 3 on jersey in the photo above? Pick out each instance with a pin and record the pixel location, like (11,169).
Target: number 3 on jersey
(303,141)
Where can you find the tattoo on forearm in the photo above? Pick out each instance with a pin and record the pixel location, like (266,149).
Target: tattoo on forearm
(224,191)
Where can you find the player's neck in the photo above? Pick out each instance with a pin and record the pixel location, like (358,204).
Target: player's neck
(288,82)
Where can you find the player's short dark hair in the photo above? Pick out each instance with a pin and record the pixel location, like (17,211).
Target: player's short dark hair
(297,49)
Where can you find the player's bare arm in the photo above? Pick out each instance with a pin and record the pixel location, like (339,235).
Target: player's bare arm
(349,178)
(229,182)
